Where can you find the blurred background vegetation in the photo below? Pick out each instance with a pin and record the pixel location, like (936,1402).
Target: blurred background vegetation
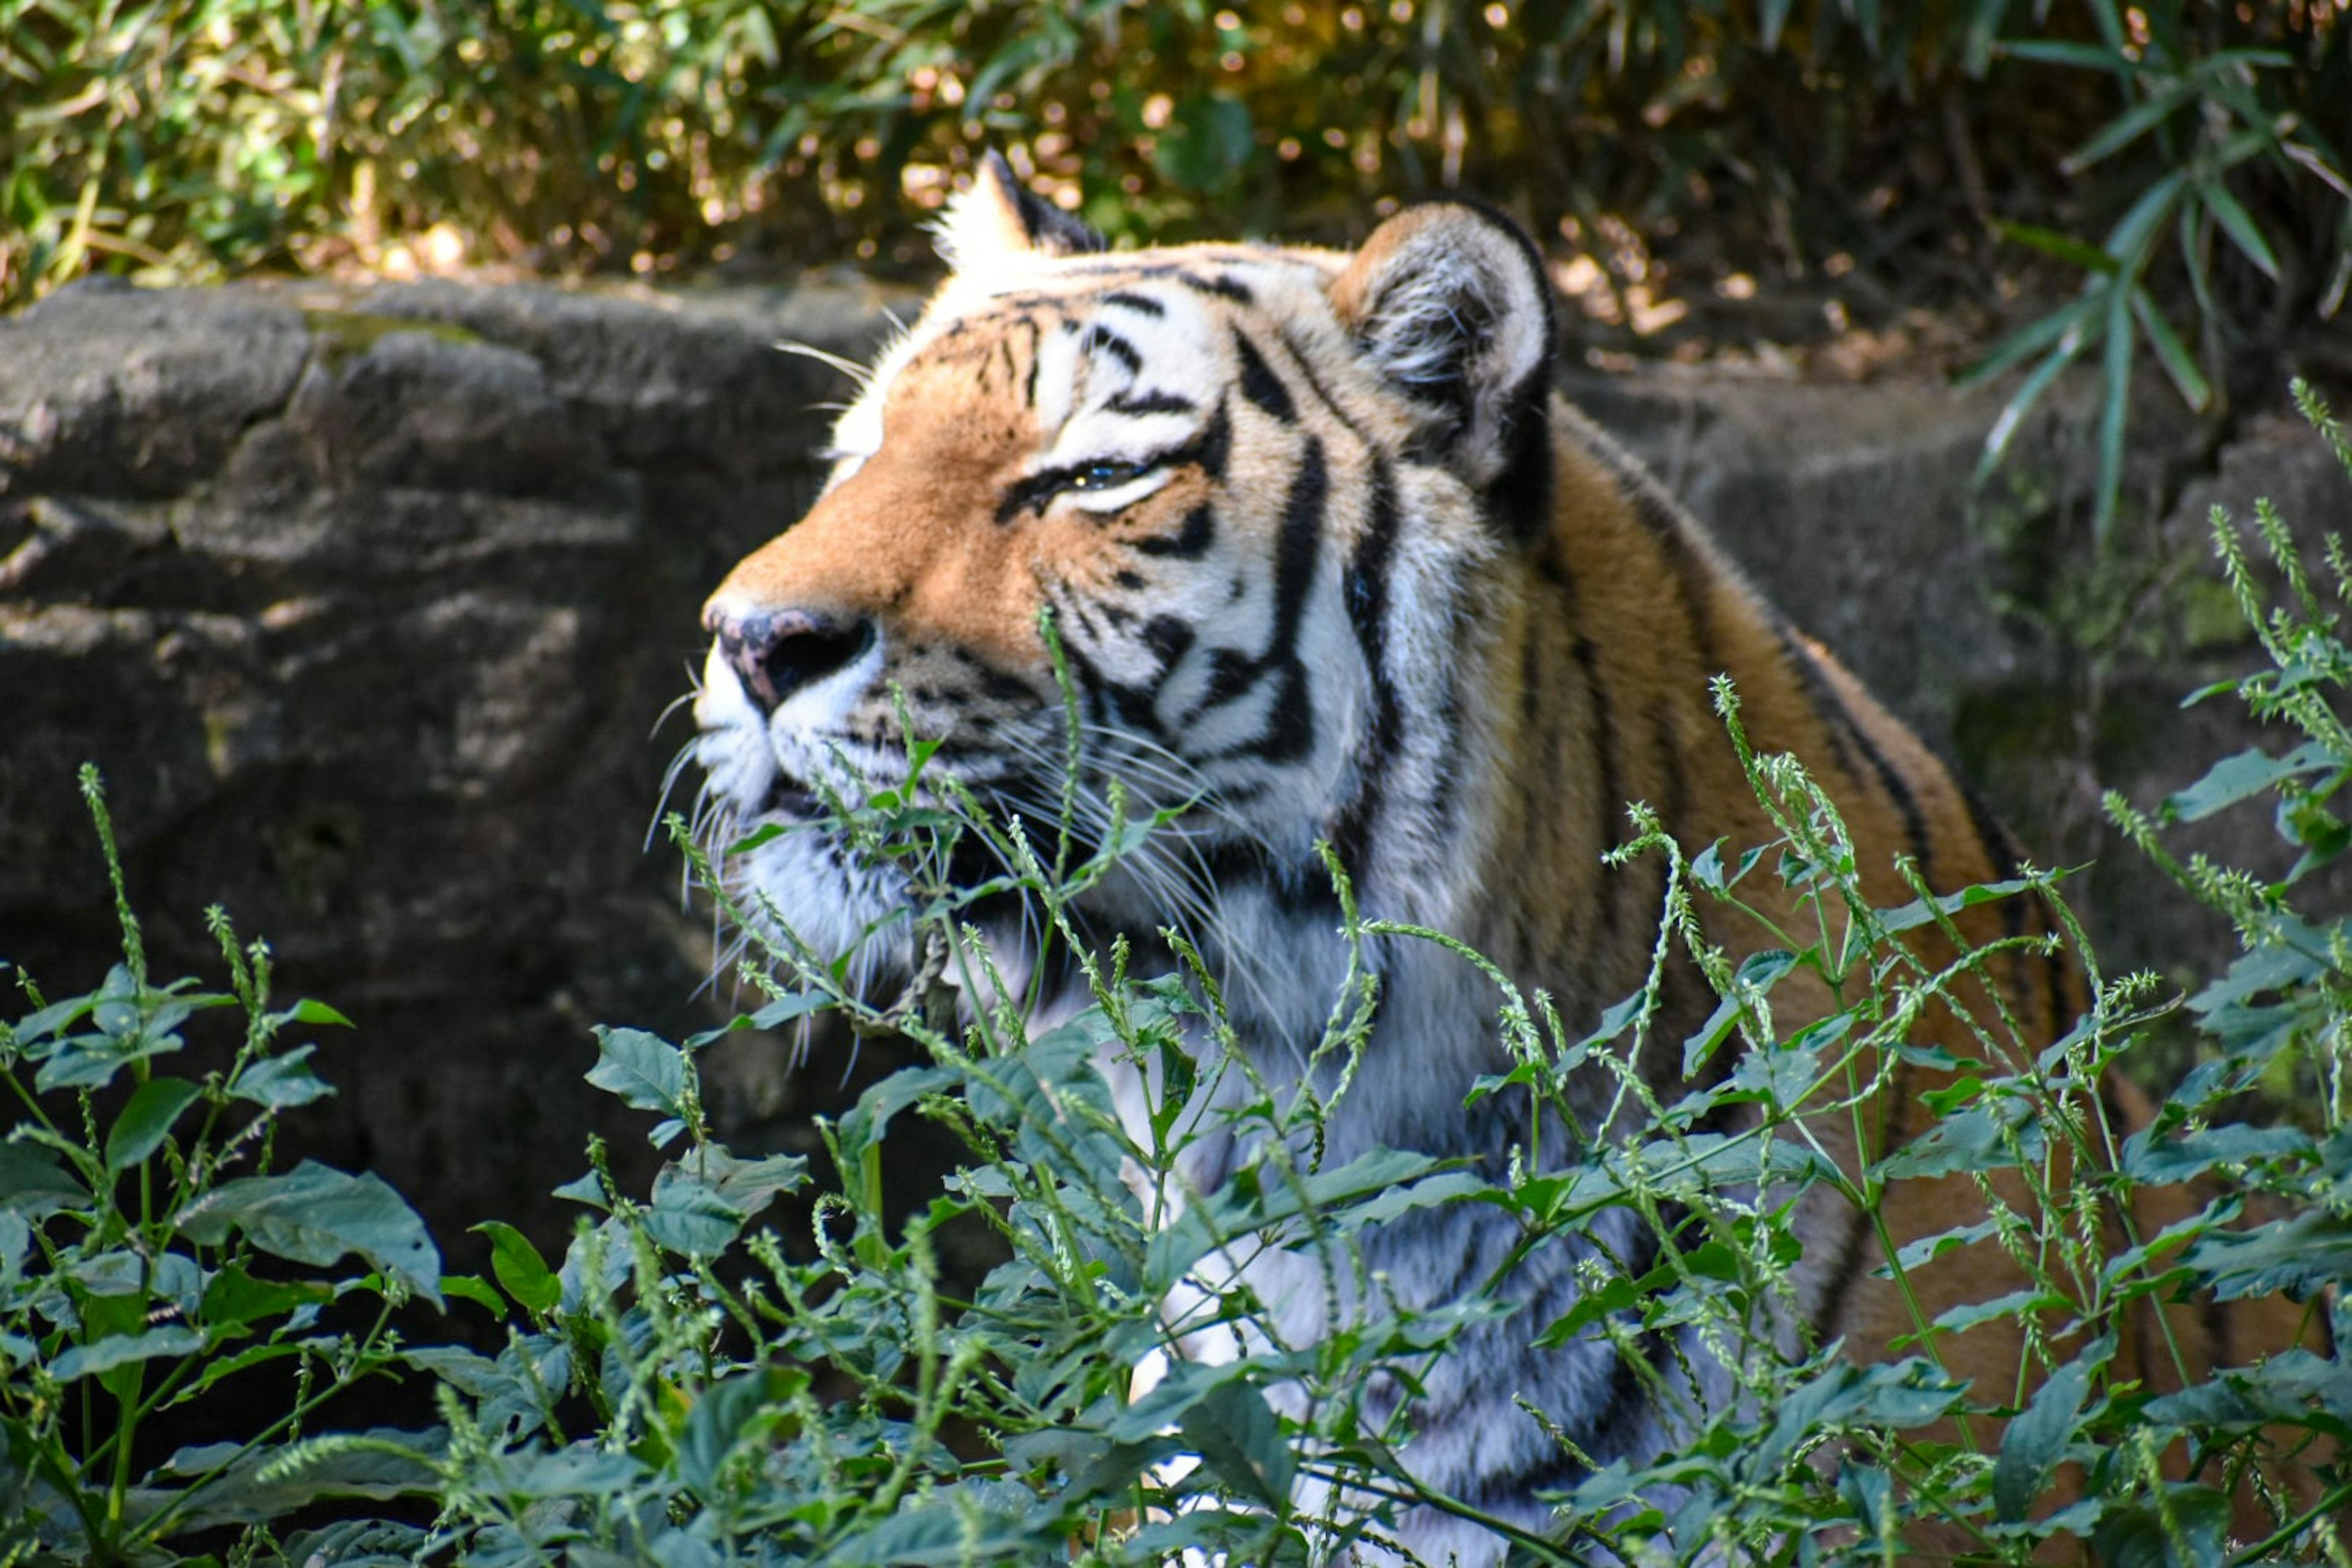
(2165,179)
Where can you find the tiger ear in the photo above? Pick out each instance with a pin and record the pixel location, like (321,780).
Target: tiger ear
(1449,301)
(999,217)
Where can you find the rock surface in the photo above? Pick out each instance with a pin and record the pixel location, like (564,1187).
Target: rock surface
(372,603)
(369,607)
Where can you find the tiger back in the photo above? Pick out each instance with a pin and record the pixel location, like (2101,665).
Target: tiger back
(1330,557)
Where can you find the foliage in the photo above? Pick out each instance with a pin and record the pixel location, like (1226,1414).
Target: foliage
(2184,156)
(143,1240)
(685,1386)
(2225,121)
(204,135)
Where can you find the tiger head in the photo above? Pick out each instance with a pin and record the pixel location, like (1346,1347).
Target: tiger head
(1251,488)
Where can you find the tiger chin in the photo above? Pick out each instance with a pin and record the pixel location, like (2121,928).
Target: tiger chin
(1328,558)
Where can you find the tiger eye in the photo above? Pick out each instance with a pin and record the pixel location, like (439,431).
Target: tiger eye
(1102,476)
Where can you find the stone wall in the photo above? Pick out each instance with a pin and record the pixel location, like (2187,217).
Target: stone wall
(373,605)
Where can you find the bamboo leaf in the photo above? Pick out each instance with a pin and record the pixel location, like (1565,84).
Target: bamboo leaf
(2124,128)
(2239,224)
(2050,242)
(2171,352)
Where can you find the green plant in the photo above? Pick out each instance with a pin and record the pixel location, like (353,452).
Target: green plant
(711,1435)
(136,1209)
(687,1387)
(2223,130)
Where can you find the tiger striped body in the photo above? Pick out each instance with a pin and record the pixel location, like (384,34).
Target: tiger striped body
(1330,556)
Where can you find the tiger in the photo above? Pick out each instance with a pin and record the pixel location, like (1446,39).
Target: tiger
(1328,556)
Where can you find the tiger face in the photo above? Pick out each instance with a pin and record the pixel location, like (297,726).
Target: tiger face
(1250,497)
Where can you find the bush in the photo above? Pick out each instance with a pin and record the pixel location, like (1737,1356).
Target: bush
(688,1388)
(2185,160)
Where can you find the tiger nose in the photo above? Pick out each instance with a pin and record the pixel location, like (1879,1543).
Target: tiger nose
(776,652)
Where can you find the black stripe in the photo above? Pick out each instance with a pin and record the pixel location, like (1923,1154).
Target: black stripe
(1099,338)
(1190,541)
(1851,1254)
(1224,286)
(1305,366)
(1609,789)
(1151,403)
(1169,637)
(1290,723)
(1365,593)
(1298,548)
(1520,497)
(1260,384)
(994,684)
(1661,518)
(1141,304)
(1232,673)
(1214,445)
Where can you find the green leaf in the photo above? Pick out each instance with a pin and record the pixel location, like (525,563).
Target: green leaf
(475,1288)
(120,1350)
(2171,352)
(749,1185)
(2309,1252)
(2191,1528)
(274,1481)
(1920,911)
(689,1215)
(2286,1387)
(1239,1439)
(521,1270)
(234,1300)
(585,1189)
(2133,229)
(315,1215)
(1926,1249)
(281,1082)
(2029,393)
(2151,1161)
(2036,1440)
(33,1183)
(966,1522)
(2240,225)
(784,1009)
(2012,1306)
(2063,246)
(308,1011)
(647,1071)
(2243,776)
(146,1120)
(1985,1138)
(2127,128)
(2050,52)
